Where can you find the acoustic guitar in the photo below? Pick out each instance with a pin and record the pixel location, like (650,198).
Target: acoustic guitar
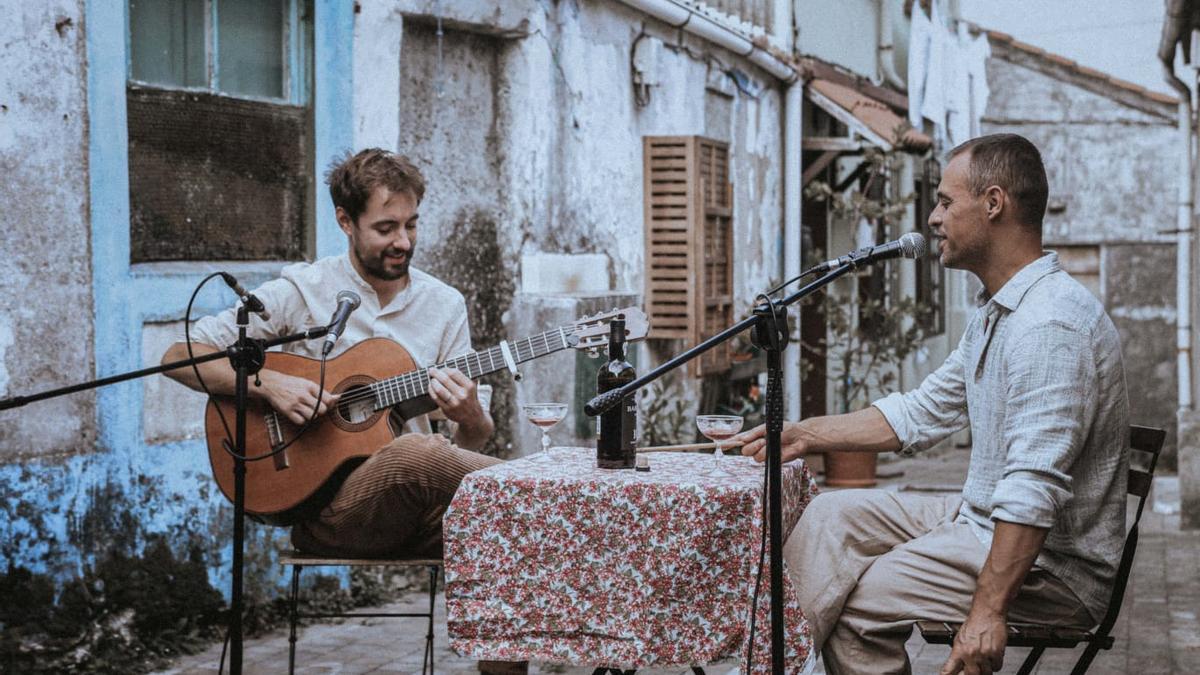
(374,378)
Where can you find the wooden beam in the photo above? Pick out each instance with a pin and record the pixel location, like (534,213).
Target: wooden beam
(817,166)
(831,143)
(845,117)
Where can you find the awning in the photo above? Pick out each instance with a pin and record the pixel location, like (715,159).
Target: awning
(866,117)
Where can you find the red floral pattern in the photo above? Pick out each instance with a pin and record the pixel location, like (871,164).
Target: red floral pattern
(555,560)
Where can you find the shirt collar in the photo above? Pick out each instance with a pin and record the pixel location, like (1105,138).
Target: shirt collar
(1010,295)
(352,272)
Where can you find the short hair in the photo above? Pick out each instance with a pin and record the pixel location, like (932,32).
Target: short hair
(1013,163)
(352,179)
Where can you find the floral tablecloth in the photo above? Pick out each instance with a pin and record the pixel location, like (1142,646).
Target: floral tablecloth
(554,560)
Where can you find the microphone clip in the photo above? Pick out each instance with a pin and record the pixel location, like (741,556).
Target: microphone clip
(248,299)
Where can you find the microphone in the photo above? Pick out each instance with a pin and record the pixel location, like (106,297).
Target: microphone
(911,245)
(347,302)
(247,298)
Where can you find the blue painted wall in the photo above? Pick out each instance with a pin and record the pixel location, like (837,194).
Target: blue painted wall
(63,513)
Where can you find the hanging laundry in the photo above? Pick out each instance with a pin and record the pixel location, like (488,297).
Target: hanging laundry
(919,35)
(933,102)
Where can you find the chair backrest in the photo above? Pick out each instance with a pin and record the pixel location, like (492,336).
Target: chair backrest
(1150,441)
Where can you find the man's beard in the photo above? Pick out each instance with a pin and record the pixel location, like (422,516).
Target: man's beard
(376,267)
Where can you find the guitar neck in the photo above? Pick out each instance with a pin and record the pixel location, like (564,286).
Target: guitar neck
(401,388)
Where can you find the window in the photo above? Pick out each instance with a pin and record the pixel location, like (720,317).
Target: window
(689,243)
(219,129)
(244,48)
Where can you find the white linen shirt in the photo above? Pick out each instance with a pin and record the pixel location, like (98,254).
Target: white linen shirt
(428,318)
(1039,377)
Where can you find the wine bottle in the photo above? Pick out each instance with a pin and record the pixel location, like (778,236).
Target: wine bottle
(616,448)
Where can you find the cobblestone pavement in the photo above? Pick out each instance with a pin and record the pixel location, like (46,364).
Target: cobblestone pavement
(1158,632)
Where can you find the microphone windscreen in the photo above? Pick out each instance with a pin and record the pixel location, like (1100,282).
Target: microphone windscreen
(912,245)
(355,300)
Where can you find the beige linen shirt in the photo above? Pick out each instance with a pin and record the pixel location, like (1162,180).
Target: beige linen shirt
(1039,378)
(428,318)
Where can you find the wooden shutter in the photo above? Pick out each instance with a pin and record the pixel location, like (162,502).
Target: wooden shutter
(689,242)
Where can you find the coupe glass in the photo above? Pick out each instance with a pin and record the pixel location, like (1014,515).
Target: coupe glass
(544,416)
(718,429)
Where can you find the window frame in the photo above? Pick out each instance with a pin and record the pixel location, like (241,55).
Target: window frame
(125,296)
(295,57)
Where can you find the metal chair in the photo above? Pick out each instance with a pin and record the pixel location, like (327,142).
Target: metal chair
(298,561)
(1143,439)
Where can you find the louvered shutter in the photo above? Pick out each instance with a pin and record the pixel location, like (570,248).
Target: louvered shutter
(689,242)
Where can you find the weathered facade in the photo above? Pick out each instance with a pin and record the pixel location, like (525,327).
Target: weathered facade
(523,117)
(527,119)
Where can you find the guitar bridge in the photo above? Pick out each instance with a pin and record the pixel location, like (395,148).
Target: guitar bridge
(275,434)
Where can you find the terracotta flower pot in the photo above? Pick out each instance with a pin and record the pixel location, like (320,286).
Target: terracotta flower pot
(850,469)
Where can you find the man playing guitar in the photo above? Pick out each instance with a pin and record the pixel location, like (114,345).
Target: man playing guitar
(392,503)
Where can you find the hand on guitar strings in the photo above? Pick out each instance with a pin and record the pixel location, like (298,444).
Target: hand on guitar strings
(293,397)
(455,394)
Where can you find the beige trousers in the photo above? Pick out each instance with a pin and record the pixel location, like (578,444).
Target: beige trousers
(868,564)
(392,504)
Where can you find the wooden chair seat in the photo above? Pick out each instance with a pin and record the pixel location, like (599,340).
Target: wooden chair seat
(1019,635)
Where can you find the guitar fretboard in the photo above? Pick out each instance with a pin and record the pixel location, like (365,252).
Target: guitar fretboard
(401,388)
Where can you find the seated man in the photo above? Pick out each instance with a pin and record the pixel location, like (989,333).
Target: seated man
(1037,532)
(391,504)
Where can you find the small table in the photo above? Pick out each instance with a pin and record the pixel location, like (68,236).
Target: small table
(555,560)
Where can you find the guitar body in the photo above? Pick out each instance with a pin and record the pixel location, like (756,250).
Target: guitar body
(277,485)
(372,378)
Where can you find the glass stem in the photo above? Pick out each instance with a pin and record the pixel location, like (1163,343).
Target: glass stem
(545,443)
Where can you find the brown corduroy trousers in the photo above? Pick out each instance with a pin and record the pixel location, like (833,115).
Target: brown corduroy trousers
(392,504)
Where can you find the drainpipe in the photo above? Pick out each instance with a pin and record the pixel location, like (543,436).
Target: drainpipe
(793,105)
(887,48)
(700,25)
(1183,259)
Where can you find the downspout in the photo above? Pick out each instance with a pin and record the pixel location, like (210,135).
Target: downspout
(684,18)
(793,106)
(887,49)
(1183,259)
(1175,26)
(687,19)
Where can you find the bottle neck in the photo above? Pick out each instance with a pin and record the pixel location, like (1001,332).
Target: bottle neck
(616,341)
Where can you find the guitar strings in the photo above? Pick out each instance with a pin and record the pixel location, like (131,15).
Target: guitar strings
(418,380)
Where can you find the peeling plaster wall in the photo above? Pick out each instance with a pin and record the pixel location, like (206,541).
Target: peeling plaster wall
(45,283)
(533,146)
(1112,166)
(537,126)
(97,488)
(1113,169)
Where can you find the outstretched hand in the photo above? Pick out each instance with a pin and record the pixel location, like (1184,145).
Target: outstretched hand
(754,442)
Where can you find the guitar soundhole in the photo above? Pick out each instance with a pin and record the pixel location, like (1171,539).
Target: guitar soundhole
(357,405)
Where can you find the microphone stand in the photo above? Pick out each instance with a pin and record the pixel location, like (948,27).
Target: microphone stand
(769,322)
(247,356)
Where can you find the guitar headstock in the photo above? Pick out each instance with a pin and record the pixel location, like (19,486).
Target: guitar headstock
(592,331)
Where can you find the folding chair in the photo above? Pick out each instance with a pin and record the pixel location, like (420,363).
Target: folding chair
(1144,439)
(299,561)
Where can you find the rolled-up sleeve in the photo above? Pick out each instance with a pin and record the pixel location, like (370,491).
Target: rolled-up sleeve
(1050,403)
(932,411)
